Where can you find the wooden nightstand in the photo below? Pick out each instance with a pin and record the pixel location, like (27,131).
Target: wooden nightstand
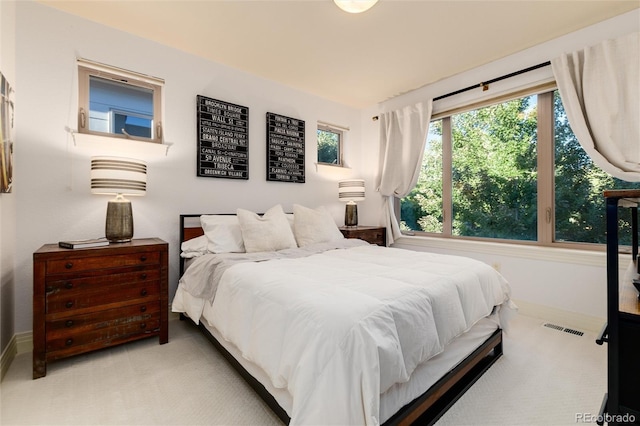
(371,234)
(94,298)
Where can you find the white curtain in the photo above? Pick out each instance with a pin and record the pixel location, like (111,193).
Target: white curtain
(600,90)
(403,134)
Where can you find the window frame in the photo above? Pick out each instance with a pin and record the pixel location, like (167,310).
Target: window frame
(340,131)
(545,172)
(115,112)
(88,69)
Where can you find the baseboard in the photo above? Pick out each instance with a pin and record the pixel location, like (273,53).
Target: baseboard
(561,317)
(8,356)
(19,344)
(24,342)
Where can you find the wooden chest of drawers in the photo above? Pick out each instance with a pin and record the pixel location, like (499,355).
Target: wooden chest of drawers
(89,299)
(371,234)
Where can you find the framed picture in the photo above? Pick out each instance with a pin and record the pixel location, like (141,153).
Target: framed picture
(285,148)
(223,139)
(7,135)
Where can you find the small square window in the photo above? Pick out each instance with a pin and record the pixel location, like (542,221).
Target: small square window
(118,103)
(329,145)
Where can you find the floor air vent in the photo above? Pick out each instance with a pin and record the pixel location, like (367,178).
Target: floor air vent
(566,330)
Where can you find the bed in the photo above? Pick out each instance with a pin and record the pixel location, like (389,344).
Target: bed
(335,331)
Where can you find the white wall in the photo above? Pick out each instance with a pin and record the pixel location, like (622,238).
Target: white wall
(7,200)
(52,174)
(569,285)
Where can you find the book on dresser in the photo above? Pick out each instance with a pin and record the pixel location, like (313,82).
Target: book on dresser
(76,244)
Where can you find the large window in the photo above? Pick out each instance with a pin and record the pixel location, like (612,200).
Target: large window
(512,170)
(421,210)
(579,184)
(118,103)
(494,171)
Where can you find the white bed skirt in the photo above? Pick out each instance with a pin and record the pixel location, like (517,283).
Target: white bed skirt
(400,394)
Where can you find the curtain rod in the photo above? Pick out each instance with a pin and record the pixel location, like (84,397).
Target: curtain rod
(485,84)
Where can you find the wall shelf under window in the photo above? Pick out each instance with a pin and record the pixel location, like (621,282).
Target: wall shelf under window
(118,146)
(341,172)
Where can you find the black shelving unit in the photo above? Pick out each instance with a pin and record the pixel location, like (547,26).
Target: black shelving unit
(621,403)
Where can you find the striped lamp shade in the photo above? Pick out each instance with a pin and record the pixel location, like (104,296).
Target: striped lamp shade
(116,175)
(351,190)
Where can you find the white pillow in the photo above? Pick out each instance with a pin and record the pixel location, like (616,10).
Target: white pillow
(223,233)
(314,226)
(290,219)
(270,232)
(194,247)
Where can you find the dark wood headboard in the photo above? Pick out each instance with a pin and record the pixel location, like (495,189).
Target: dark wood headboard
(189,228)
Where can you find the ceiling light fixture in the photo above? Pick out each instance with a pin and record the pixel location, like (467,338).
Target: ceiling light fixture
(355,6)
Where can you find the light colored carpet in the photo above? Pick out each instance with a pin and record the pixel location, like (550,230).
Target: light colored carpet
(545,377)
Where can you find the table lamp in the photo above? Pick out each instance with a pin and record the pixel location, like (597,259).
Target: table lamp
(351,190)
(118,176)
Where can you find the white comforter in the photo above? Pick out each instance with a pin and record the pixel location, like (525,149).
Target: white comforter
(338,328)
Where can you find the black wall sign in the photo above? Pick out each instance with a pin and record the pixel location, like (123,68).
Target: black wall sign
(223,139)
(285,148)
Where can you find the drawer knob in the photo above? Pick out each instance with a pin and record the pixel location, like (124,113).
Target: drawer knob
(69,342)
(69,323)
(143,309)
(143,292)
(143,258)
(68,285)
(143,325)
(49,289)
(68,265)
(69,304)
(143,276)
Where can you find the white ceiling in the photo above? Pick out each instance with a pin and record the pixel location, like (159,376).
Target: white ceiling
(355,59)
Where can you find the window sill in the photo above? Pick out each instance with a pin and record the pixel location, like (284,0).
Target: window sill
(338,171)
(532,252)
(119,146)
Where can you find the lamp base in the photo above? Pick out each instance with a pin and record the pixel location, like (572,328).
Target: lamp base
(351,214)
(119,226)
